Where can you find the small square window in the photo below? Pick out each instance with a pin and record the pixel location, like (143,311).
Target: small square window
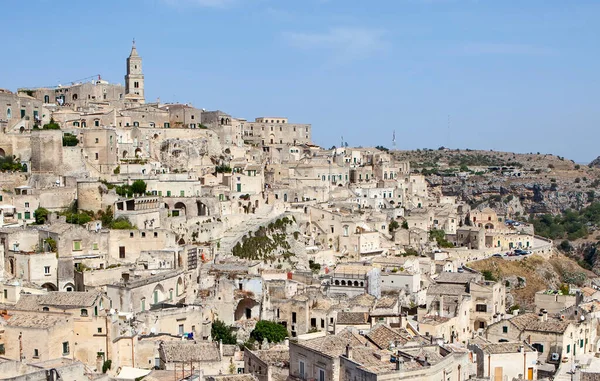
(99,330)
(155,235)
(130,234)
(143,234)
(65,348)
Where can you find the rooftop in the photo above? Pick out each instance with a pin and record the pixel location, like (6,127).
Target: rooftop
(185,351)
(352,318)
(334,345)
(58,299)
(36,320)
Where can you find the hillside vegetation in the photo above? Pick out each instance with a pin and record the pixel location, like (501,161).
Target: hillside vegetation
(525,277)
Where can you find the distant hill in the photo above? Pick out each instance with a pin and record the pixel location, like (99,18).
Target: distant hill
(595,163)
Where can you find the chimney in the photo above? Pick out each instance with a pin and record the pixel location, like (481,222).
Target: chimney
(516,312)
(399,361)
(348,352)
(399,364)
(521,349)
(125,277)
(540,317)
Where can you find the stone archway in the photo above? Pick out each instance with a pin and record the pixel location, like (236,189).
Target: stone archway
(2,152)
(181,207)
(247,308)
(50,286)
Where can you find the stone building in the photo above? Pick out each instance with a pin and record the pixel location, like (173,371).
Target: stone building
(273,131)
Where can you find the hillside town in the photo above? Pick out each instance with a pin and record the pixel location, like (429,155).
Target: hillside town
(159,241)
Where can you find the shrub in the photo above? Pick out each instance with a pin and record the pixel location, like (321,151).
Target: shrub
(52,125)
(70,140)
(41,215)
(221,331)
(106,366)
(273,332)
(138,187)
(487,274)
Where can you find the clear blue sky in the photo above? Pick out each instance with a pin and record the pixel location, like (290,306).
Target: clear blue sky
(517,75)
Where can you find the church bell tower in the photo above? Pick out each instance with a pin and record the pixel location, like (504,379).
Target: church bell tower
(134,80)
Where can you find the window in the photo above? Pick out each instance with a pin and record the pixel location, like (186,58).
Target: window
(143,304)
(65,348)
(99,330)
(96,155)
(96,124)
(143,234)
(95,246)
(568,348)
(27,215)
(84,312)
(76,245)
(321,375)
(293,317)
(136,85)
(301,369)
(122,252)
(27,205)
(505,329)
(130,234)
(481,308)
(36,353)
(5,294)
(46,270)
(181,329)
(155,235)
(45,309)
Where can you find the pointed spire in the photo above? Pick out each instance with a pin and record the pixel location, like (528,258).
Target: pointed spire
(134,52)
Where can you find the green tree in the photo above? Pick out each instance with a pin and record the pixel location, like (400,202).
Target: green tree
(273,332)
(10,163)
(221,331)
(52,125)
(405,225)
(488,275)
(70,140)
(440,237)
(41,215)
(393,226)
(138,187)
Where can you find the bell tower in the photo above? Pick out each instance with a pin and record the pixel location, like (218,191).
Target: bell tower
(134,80)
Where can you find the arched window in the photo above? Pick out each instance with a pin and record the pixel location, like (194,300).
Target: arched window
(83,124)
(343,283)
(75,124)
(46,99)
(74,97)
(355,283)
(84,312)
(136,124)
(346,229)
(8,113)
(45,309)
